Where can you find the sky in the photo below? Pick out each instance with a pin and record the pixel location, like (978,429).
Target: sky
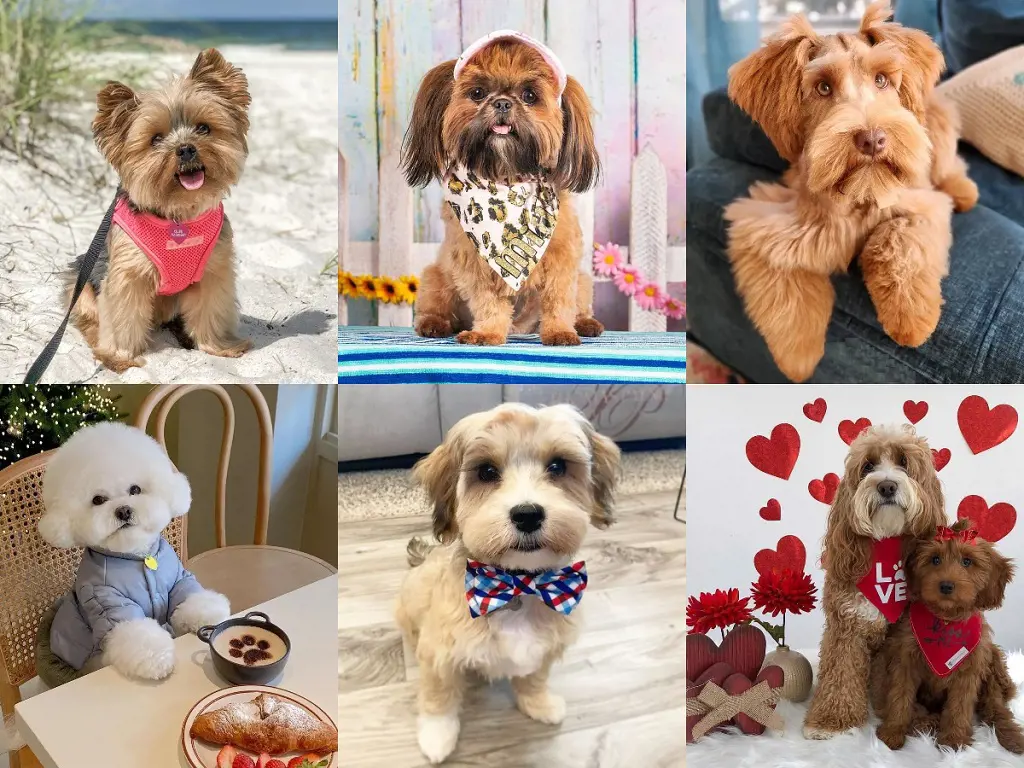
(214,9)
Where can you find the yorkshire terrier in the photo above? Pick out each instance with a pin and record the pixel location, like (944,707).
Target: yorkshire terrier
(888,500)
(874,172)
(169,257)
(509,135)
(513,490)
(940,665)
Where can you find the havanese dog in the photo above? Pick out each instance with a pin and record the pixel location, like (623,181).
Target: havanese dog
(940,665)
(509,135)
(888,500)
(873,171)
(169,258)
(513,489)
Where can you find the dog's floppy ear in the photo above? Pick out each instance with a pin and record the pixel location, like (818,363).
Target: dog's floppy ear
(922,59)
(181,494)
(423,155)
(767,84)
(115,105)
(55,527)
(579,165)
(604,476)
(438,473)
(848,553)
(1000,574)
(921,465)
(212,71)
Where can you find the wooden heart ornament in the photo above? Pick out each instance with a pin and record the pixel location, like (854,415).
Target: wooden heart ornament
(789,554)
(993,523)
(743,650)
(984,427)
(736,684)
(848,430)
(816,411)
(824,490)
(775,455)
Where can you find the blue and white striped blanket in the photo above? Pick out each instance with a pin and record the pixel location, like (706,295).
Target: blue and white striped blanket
(371,355)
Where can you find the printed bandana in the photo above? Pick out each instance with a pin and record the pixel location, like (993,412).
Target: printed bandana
(510,225)
(178,249)
(489,588)
(885,585)
(945,644)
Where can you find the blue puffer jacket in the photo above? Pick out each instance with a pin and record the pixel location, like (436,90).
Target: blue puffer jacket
(113,587)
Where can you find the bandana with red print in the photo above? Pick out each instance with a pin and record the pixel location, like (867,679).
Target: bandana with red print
(945,644)
(885,585)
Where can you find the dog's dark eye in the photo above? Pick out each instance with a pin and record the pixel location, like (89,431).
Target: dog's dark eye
(556,467)
(936,560)
(966,562)
(903,461)
(529,97)
(134,490)
(823,88)
(867,469)
(477,94)
(488,473)
(881,81)
(202,129)
(98,500)
(157,138)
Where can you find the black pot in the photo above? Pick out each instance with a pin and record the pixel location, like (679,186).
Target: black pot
(236,671)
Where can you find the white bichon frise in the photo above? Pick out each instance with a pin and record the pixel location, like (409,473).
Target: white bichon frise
(111,489)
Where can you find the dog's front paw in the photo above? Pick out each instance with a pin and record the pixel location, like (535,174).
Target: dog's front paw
(119,363)
(139,648)
(226,347)
(544,707)
(199,610)
(437,735)
(589,326)
(480,339)
(434,327)
(893,738)
(957,738)
(560,338)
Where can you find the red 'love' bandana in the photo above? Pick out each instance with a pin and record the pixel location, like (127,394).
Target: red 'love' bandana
(945,644)
(885,585)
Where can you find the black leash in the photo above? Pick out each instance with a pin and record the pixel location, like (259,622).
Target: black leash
(89,259)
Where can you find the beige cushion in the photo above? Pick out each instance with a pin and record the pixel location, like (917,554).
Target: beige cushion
(990,96)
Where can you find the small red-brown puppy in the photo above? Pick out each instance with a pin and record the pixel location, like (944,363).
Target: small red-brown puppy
(940,665)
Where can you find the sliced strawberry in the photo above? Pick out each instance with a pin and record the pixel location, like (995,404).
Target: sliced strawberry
(243,761)
(263,760)
(310,760)
(275,763)
(226,756)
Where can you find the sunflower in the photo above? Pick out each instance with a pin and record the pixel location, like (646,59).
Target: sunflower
(409,288)
(348,284)
(386,289)
(365,287)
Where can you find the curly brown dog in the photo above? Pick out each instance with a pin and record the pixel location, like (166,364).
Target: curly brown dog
(889,499)
(940,665)
(874,171)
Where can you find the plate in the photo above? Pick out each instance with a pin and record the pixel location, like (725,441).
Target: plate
(201,754)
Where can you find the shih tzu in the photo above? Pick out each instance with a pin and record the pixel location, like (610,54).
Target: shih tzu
(509,136)
(513,489)
(169,258)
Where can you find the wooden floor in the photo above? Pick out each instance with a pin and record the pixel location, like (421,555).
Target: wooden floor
(623,682)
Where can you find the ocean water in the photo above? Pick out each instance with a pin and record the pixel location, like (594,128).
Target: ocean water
(303,35)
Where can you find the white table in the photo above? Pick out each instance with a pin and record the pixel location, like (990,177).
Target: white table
(105,720)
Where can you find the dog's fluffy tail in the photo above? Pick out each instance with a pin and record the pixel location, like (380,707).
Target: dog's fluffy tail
(10,739)
(417,550)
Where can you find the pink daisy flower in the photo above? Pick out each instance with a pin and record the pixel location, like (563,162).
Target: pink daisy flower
(628,279)
(674,308)
(650,296)
(607,259)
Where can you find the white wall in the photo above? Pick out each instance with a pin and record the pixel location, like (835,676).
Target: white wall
(726,492)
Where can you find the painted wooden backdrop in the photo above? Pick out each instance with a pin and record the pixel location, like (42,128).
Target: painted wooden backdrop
(628,54)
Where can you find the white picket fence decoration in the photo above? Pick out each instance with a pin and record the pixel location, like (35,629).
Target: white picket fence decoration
(397,253)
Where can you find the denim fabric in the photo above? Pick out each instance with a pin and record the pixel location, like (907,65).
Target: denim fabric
(979,334)
(972,30)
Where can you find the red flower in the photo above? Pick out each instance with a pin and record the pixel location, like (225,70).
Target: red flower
(716,610)
(784,591)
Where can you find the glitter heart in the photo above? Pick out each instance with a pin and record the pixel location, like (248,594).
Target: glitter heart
(178,233)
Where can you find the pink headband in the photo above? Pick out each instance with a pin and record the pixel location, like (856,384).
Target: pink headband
(510,34)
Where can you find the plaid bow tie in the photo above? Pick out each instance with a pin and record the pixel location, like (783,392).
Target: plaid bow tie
(489,588)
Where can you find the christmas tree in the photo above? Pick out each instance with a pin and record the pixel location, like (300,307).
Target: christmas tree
(36,419)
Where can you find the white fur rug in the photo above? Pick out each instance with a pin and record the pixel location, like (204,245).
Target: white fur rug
(789,749)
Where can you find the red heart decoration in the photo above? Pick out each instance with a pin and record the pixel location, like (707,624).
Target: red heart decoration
(848,430)
(994,522)
(736,684)
(717,674)
(790,553)
(772,510)
(816,411)
(776,455)
(941,458)
(743,649)
(824,490)
(982,427)
(915,411)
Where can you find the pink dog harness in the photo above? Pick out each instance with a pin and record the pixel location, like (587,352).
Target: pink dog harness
(178,249)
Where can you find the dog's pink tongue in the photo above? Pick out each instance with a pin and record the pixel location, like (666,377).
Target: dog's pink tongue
(192,181)
(502,129)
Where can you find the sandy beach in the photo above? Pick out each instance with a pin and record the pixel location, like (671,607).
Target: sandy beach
(284,212)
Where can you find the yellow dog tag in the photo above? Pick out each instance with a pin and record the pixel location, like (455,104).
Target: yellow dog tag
(150,562)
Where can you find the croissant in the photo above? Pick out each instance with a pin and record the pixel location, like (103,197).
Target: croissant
(266,724)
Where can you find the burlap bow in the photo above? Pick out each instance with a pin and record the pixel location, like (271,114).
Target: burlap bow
(757,703)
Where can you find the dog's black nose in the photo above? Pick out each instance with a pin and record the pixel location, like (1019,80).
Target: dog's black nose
(503,105)
(871,142)
(946,587)
(527,517)
(124,514)
(186,153)
(886,489)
